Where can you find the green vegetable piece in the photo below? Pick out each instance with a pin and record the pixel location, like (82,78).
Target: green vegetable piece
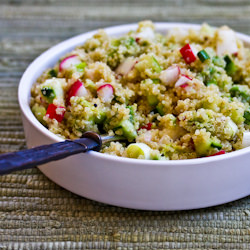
(51,89)
(203,146)
(159,109)
(81,66)
(211,81)
(48,93)
(218,61)
(203,55)
(131,114)
(155,65)
(216,144)
(115,42)
(230,65)
(130,41)
(152,100)
(156,81)
(52,73)
(39,112)
(128,130)
(100,117)
(247,117)
(240,91)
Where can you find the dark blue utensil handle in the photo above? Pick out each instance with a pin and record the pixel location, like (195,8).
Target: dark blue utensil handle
(30,158)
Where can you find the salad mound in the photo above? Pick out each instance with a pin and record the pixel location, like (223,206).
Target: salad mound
(179,95)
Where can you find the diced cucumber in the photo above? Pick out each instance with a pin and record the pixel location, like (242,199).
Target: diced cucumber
(152,100)
(204,144)
(138,150)
(51,89)
(241,91)
(159,109)
(100,117)
(39,112)
(128,130)
(156,81)
(231,128)
(211,81)
(246,139)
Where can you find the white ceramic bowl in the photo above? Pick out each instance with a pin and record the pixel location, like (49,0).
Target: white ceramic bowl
(139,184)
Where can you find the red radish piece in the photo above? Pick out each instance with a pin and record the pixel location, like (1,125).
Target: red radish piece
(105,92)
(188,54)
(222,152)
(170,75)
(183,80)
(137,39)
(184,85)
(54,112)
(148,126)
(227,43)
(77,89)
(126,66)
(68,62)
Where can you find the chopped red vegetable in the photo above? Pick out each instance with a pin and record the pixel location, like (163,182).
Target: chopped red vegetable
(147,126)
(184,85)
(69,62)
(54,112)
(183,80)
(77,89)
(188,54)
(222,152)
(105,92)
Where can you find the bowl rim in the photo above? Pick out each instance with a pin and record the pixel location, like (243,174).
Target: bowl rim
(80,39)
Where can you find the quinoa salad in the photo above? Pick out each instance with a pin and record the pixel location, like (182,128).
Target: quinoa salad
(181,94)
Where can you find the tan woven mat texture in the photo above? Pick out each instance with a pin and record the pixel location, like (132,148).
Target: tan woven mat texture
(36,213)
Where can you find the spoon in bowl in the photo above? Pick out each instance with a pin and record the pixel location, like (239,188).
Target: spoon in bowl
(33,157)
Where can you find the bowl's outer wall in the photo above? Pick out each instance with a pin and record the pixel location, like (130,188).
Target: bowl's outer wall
(133,184)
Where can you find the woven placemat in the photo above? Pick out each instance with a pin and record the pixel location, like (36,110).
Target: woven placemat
(35,213)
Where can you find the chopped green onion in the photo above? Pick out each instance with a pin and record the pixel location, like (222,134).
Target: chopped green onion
(203,55)
(230,66)
(81,66)
(138,150)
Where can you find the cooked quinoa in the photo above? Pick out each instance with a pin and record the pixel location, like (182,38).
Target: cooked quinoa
(178,95)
